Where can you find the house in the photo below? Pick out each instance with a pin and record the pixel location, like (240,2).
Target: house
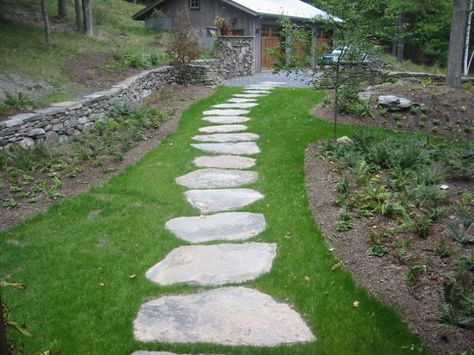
(250,18)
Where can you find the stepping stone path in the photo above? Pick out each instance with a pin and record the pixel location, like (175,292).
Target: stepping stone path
(223,315)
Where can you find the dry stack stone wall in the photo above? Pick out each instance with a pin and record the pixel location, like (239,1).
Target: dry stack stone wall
(235,56)
(58,122)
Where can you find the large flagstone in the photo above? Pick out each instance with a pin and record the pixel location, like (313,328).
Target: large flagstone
(211,265)
(221,226)
(226,112)
(226,119)
(255,91)
(221,200)
(241,148)
(224,162)
(224,128)
(249,95)
(239,100)
(227,316)
(217,178)
(227,137)
(236,105)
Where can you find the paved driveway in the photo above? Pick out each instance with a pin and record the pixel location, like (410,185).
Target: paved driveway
(299,80)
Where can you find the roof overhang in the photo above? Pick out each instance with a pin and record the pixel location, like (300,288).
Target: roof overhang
(140,15)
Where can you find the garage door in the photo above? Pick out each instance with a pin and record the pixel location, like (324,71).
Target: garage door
(270,39)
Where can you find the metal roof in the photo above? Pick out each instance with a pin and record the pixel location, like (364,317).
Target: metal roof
(290,8)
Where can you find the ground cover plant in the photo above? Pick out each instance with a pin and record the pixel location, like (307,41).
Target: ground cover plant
(412,197)
(83,261)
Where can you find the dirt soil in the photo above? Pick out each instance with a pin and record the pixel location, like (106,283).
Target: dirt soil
(93,69)
(176,99)
(386,278)
(440,110)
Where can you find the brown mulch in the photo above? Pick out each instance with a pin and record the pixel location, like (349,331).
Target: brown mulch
(448,111)
(94,70)
(176,100)
(386,278)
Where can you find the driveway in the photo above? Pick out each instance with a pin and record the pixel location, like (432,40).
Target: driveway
(298,80)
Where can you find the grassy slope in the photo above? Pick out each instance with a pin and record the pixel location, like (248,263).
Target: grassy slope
(24,50)
(64,255)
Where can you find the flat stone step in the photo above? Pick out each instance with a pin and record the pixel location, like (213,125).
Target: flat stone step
(273,83)
(242,148)
(239,100)
(260,87)
(221,226)
(217,178)
(141,352)
(211,265)
(226,119)
(249,95)
(226,112)
(227,316)
(254,91)
(227,137)
(236,105)
(224,162)
(209,201)
(224,128)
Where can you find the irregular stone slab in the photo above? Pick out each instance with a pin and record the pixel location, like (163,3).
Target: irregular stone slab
(213,264)
(223,128)
(221,226)
(224,162)
(273,83)
(227,137)
(217,178)
(394,103)
(254,91)
(238,105)
(226,112)
(227,316)
(208,201)
(249,95)
(259,87)
(239,100)
(152,353)
(226,119)
(242,148)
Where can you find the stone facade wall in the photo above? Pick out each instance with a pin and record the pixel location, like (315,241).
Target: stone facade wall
(235,56)
(58,122)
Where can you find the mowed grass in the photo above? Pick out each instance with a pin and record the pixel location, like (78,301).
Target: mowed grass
(78,258)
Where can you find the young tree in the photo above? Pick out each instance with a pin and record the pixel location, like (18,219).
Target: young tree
(47,26)
(4,348)
(467,58)
(62,9)
(456,43)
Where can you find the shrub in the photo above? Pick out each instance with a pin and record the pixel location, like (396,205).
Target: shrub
(18,101)
(184,46)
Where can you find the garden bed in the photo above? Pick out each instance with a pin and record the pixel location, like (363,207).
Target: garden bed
(391,229)
(438,110)
(51,173)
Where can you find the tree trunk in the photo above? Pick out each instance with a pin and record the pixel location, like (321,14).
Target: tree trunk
(401,37)
(62,9)
(47,27)
(3,336)
(77,8)
(336,101)
(468,39)
(87,8)
(456,43)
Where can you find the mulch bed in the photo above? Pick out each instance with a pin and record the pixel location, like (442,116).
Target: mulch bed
(447,113)
(176,100)
(386,277)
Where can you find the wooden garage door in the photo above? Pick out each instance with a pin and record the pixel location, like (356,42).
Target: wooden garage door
(270,39)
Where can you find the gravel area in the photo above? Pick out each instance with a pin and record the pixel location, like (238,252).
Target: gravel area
(297,80)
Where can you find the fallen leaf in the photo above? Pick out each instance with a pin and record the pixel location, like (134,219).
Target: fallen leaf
(307,279)
(355,304)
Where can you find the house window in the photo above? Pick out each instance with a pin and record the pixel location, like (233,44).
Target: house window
(195,4)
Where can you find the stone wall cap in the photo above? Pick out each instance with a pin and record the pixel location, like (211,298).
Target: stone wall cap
(70,105)
(49,110)
(17,120)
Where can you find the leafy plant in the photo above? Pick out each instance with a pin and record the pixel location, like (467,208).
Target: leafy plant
(345,222)
(378,250)
(422,225)
(461,232)
(18,101)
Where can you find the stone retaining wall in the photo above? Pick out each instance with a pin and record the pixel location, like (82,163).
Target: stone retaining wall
(235,56)
(58,122)
(420,76)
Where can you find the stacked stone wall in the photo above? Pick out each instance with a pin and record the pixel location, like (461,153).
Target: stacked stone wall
(235,56)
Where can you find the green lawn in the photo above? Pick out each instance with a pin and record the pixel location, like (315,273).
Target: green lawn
(117,230)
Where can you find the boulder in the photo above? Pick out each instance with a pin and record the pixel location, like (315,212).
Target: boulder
(394,103)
